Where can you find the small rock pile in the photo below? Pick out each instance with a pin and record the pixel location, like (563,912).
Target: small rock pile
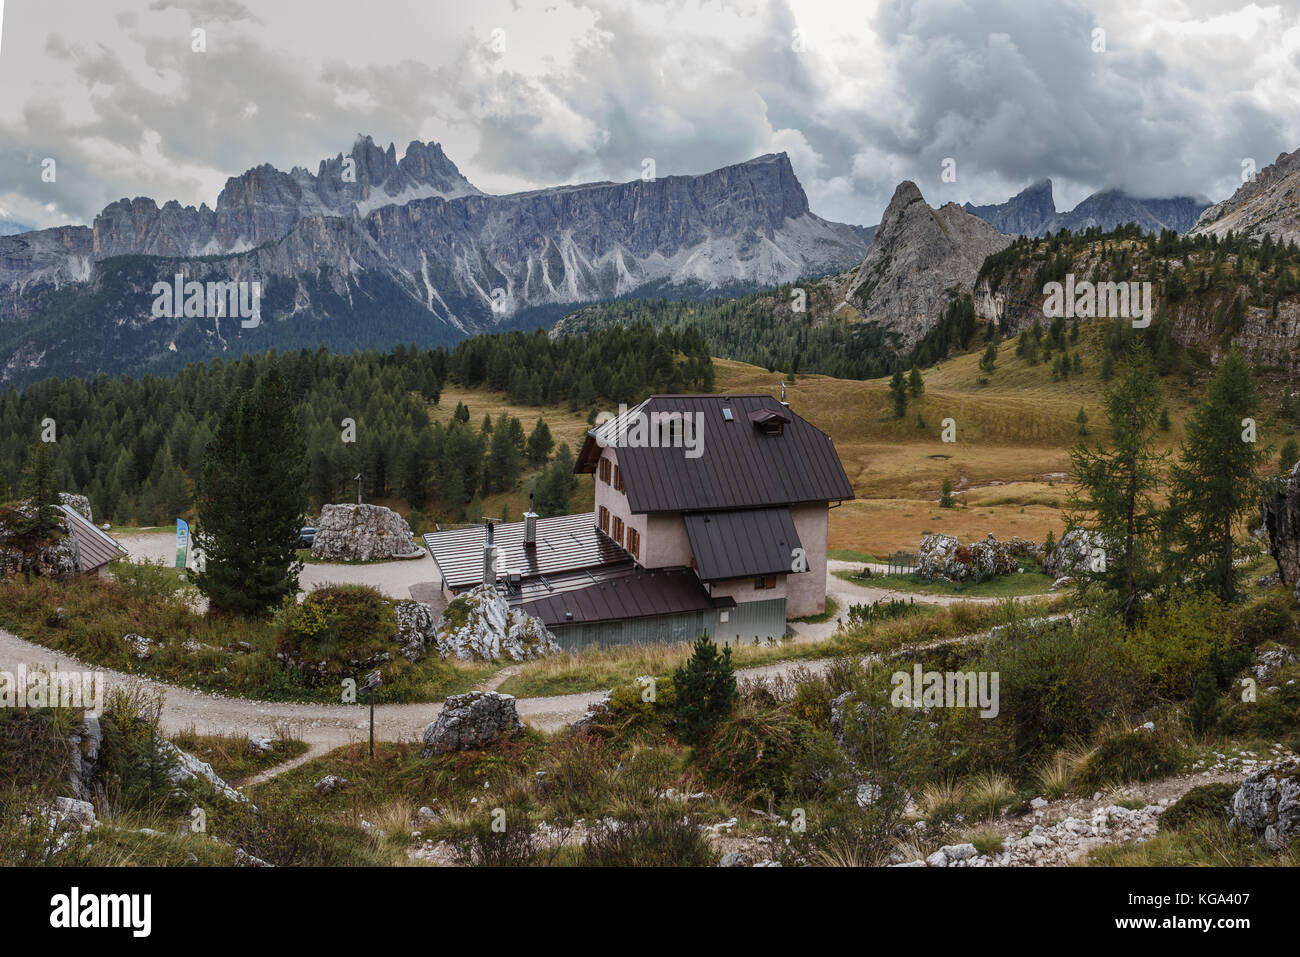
(1055,844)
(943,556)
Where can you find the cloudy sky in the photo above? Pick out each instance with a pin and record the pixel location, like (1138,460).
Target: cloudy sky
(1169,97)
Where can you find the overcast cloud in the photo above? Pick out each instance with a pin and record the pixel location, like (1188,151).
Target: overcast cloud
(529,94)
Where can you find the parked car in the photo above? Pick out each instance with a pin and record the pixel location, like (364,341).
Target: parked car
(306,536)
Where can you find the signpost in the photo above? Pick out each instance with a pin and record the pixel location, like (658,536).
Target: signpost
(371,684)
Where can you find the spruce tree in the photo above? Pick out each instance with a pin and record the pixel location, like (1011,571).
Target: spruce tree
(1215,483)
(898,389)
(251,497)
(704,691)
(915,384)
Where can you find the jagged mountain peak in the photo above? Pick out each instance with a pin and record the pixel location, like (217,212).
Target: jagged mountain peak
(920,257)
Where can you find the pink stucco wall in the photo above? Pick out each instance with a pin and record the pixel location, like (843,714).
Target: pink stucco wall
(664,544)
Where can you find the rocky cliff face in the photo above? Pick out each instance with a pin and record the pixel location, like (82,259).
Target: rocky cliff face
(919,259)
(410,239)
(1270,205)
(1032,212)
(1025,214)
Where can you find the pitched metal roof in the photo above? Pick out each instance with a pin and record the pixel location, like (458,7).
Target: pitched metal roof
(564,543)
(95,547)
(737,544)
(619,594)
(740,466)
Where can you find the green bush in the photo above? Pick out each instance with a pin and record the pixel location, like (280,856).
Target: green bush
(1175,641)
(1138,755)
(752,752)
(340,632)
(1272,618)
(1205,802)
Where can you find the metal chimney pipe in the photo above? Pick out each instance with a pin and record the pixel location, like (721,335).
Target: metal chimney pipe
(489,559)
(530,529)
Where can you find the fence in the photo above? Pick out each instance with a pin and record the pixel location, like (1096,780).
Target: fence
(901,563)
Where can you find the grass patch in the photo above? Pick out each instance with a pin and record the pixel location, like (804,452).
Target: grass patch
(851,555)
(231,755)
(1003,586)
(832,607)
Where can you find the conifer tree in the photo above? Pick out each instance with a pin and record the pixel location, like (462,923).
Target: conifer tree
(251,497)
(1215,483)
(704,691)
(1116,485)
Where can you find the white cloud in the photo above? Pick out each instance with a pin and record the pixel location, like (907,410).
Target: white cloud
(876,92)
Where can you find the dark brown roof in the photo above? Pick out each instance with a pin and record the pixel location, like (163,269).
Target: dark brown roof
(95,547)
(741,465)
(622,593)
(564,543)
(740,543)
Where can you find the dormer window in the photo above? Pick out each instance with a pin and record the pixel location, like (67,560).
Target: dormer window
(769,421)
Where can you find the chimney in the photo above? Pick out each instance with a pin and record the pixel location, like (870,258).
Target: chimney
(489,559)
(530,525)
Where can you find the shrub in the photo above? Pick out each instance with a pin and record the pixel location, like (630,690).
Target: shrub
(1175,641)
(647,837)
(1272,618)
(751,752)
(1205,802)
(339,632)
(1138,755)
(705,691)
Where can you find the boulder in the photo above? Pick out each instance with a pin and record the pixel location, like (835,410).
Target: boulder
(1268,804)
(188,768)
(74,810)
(480,625)
(735,859)
(471,721)
(78,503)
(57,557)
(329,784)
(943,556)
(141,646)
(1071,553)
(1281,514)
(361,533)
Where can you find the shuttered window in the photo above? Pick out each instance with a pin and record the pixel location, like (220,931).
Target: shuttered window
(618,530)
(604,519)
(634,543)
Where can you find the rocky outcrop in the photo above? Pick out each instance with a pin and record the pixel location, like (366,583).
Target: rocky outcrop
(1268,805)
(417,629)
(1024,214)
(1058,844)
(919,259)
(1267,205)
(943,556)
(57,556)
(471,721)
(1071,553)
(358,533)
(480,625)
(78,503)
(188,768)
(1281,514)
(84,745)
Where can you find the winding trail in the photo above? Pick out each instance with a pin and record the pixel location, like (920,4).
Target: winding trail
(326,726)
